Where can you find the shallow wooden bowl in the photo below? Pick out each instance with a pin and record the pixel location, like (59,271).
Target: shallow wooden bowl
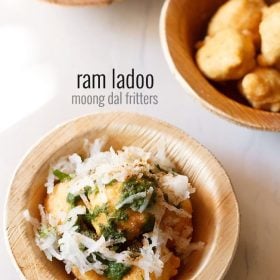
(182,24)
(216,217)
(82,2)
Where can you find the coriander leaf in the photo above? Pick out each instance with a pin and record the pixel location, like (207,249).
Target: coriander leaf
(110,231)
(111,182)
(97,210)
(91,190)
(120,215)
(88,190)
(61,176)
(72,199)
(135,185)
(43,232)
(116,271)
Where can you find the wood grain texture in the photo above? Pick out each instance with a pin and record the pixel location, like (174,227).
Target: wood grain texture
(216,216)
(82,2)
(182,24)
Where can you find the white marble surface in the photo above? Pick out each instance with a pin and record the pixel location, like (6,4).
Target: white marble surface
(43,47)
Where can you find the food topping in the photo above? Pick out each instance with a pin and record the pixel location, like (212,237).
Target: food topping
(117,215)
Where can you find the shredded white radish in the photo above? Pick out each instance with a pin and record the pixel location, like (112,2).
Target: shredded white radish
(162,159)
(180,212)
(30,219)
(147,200)
(97,146)
(177,187)
(130,199)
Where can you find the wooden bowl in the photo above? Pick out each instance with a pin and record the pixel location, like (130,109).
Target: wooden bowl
(216,217)
(182,24)
(82,2)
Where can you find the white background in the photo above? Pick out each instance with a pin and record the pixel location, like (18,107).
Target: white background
(43,47)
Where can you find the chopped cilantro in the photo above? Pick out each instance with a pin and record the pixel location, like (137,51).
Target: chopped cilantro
(116,271)
(136,204)
(90,190)
(89,216)
(72,199)
(89,233)
(110,231)
(43,232)
(61,176)
(97,211)
(85,227)
(111,183)
(82,247)
(133,186)
(120,215)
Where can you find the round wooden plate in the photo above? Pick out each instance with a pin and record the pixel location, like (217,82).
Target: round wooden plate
(182,25)
(82,2)
(216,216)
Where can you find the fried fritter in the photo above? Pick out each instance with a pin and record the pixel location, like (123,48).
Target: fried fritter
(242,15)
(169,270)
(228,55)
(262,88)
(270,37)
(56,202)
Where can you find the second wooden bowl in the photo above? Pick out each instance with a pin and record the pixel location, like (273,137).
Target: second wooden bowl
(82,2)
(182,24)
(216,217)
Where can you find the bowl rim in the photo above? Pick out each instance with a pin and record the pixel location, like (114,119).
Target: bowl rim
(235,237)
(270,121)
(81,3)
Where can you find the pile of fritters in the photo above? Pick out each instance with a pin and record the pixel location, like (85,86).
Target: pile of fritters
(243,44)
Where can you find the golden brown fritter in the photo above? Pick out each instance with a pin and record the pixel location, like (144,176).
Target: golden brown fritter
(270,37)
(262,88)
(170,269)
(228,55)
(182,226)
(242,15)
(90,275)
(132,226)
(56,202)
